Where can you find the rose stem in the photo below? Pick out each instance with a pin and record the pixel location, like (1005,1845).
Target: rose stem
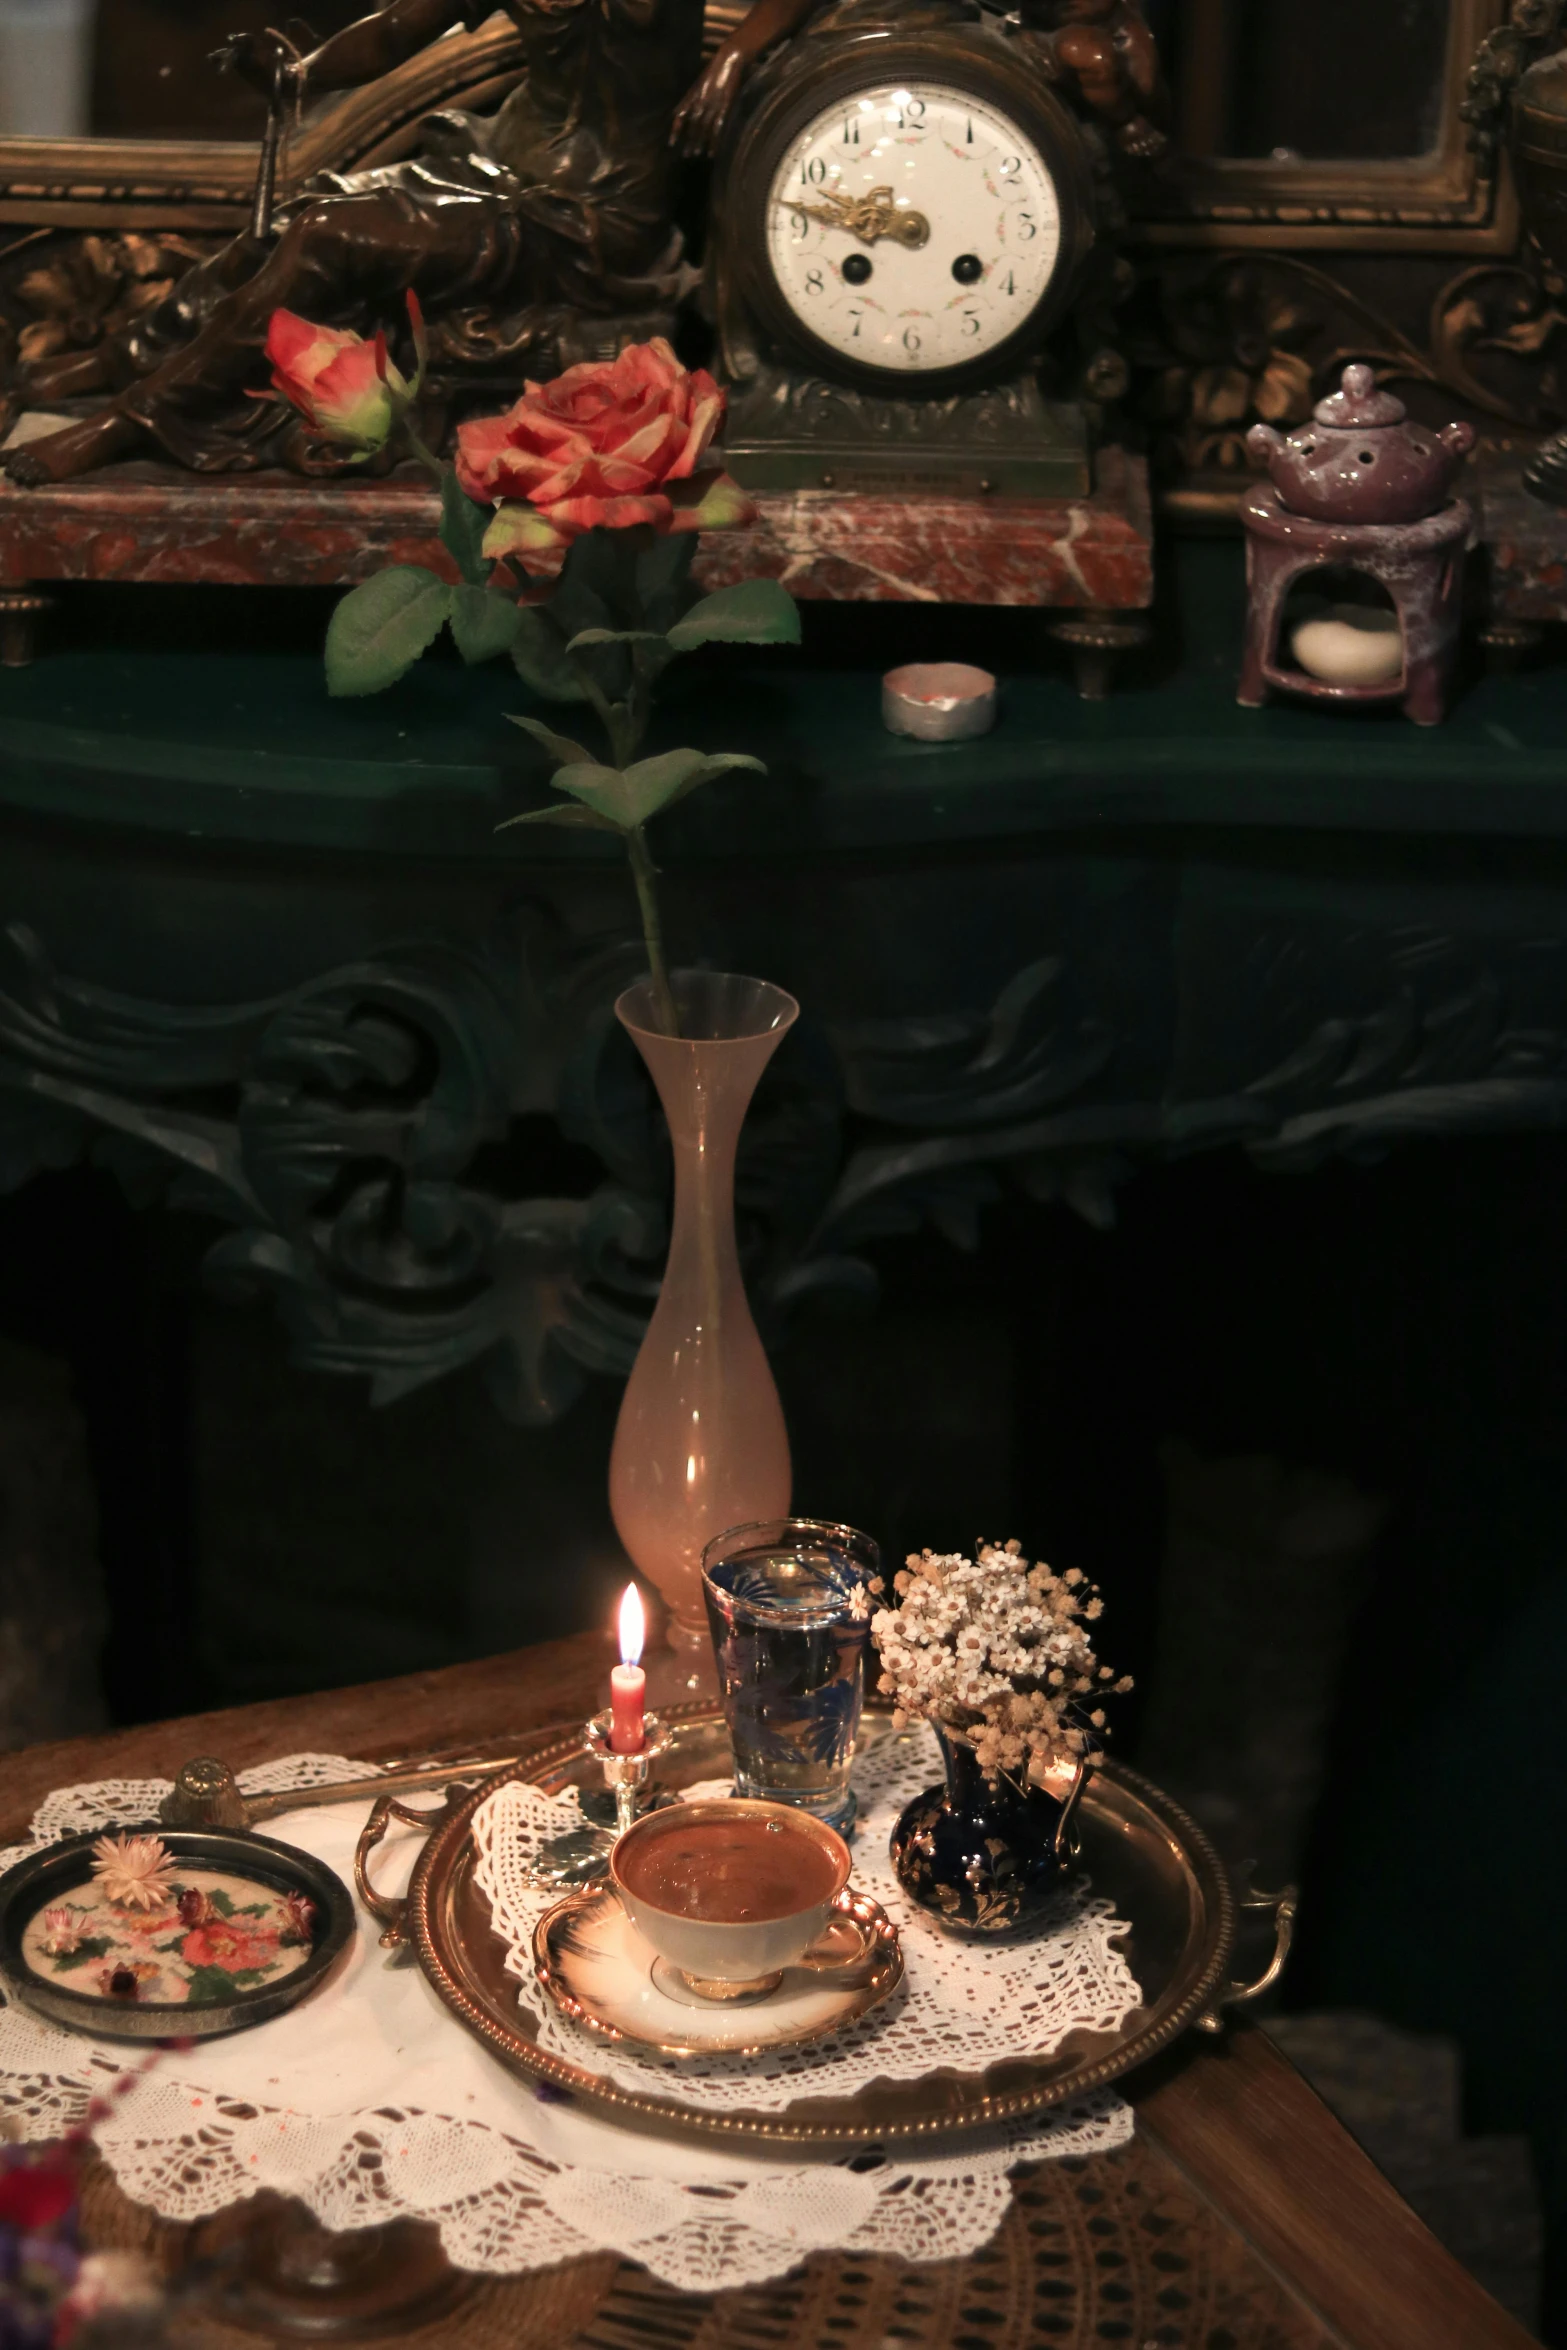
(421,449)
(644,873)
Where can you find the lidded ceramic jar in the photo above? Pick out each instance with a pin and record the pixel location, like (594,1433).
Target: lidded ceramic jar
(1360,460)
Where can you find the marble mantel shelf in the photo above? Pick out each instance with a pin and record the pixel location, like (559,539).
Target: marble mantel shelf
(148,522)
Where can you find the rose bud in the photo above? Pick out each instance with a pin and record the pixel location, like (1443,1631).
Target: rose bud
(346,389)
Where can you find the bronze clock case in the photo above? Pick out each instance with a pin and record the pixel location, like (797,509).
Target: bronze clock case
(801,86)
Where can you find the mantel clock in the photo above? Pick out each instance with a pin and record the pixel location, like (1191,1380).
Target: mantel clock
(905,212)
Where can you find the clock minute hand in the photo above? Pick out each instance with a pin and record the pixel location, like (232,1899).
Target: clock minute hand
(869,218)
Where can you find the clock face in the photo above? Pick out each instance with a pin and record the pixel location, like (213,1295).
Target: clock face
(913,228)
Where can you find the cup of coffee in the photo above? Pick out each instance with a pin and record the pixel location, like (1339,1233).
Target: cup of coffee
(730,1893)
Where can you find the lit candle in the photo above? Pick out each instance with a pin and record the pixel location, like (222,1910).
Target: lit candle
(628,1682)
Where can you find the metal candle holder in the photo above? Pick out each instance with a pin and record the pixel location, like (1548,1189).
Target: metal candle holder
(627,1774)
(580,1856)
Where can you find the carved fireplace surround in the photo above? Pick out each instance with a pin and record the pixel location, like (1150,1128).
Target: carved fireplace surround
(263,955)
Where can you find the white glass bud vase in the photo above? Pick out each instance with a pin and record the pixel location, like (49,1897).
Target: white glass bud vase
(700,1444)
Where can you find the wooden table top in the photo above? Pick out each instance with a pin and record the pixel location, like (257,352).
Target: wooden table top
(1243,2218)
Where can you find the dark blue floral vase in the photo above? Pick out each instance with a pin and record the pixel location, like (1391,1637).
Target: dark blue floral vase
(984,1856)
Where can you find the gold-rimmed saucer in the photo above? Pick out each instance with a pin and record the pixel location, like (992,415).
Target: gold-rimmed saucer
(597,1969)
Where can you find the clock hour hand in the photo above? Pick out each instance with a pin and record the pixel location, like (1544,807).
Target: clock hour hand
(869,218)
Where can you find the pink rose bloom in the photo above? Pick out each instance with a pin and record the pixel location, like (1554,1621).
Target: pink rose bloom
(608,445)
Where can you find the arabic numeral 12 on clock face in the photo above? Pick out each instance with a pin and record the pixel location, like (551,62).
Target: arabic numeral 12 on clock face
(913,228)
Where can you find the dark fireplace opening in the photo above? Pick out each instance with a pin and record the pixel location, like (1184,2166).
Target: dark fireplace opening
(1309,1433)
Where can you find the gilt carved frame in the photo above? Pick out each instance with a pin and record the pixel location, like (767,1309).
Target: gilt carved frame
(1449,200)
(1445,201)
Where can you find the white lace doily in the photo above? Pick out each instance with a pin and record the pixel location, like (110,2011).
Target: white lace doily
(962,2004)
(370,2102)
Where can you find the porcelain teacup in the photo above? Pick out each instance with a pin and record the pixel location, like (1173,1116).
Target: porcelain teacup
(731,1892)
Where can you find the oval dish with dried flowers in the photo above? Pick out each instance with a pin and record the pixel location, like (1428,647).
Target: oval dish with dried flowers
(146,1933)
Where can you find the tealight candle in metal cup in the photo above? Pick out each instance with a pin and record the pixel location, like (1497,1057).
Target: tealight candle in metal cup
(938,701)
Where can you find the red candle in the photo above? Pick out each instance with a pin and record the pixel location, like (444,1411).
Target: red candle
(628,1682)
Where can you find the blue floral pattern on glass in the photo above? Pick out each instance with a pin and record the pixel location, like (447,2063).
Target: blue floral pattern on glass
(789,1606)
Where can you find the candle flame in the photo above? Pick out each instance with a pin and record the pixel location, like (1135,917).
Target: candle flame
(633,1628)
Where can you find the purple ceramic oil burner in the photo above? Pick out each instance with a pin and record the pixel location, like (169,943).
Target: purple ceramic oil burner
(1363,490)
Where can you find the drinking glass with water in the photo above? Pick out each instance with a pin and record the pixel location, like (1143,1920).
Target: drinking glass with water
(789,1605)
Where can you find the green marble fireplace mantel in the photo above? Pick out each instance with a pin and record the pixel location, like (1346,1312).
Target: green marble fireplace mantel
(241,747)
(263,954)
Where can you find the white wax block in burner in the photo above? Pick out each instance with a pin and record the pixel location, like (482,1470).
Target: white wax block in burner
(938,701)
(1350,644)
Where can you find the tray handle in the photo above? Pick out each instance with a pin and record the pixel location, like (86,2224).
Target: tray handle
(1283,1908)
(390,1909)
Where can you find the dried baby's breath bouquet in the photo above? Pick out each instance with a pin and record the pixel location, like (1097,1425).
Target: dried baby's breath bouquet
(997,1653)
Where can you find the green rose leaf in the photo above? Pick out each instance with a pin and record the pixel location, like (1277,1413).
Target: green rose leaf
(381,627)
(483,622)
(757,612)
(630,795)
(564,812)
(676,773)
(463,525)
(614,636)
(539,657)
(602,789)
(560,747)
